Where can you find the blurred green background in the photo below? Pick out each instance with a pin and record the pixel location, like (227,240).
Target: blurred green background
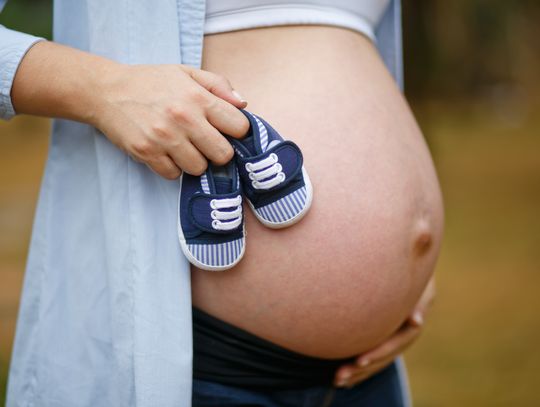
(472,80)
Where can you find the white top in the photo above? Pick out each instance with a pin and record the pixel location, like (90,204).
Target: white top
(231,15)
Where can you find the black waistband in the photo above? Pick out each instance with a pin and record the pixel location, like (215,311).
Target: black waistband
(226,354)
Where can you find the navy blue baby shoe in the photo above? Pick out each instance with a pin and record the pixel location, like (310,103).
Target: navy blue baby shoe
(274,180)
(210,218)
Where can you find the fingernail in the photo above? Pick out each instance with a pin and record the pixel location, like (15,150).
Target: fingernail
(418,318)
(344,378)
(364,362)
(238,96)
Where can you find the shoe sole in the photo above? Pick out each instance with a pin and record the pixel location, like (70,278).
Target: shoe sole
(298,216)
(187,253)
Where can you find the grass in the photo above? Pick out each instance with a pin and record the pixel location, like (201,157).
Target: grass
(480,345)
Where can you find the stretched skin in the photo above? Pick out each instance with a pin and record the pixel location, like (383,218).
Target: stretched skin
(347,275)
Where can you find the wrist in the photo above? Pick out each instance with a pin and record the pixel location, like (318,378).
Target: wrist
(54,80)
(104,76)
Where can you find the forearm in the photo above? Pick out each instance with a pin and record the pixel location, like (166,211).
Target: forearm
(58,81)
(170,117)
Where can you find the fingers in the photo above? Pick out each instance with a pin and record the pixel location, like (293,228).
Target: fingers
(176,146)
(373,361)
(416,318)
(224,102)
(428,296)
(344,373)
(361,375)
(212,144)
(164,166)
(394,345)
(187,157)
(227,119)
(425,302)
(218,85)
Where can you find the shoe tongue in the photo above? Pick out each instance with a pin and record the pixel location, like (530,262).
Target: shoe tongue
(223,185)
(249,143)
(272,144)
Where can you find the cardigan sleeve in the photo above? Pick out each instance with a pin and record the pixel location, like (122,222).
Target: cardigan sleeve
(13,47)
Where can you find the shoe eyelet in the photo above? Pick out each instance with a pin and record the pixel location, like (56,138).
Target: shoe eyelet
(248,168)
(215,223)
(213,214)
(252,176)
(279,167)
(254,184)
(213,204)
(282,175)
(274,157)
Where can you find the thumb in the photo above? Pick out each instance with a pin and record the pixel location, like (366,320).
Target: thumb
(417,317)
(218,85)
(420,310)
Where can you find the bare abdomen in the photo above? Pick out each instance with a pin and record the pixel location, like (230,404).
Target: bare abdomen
(347,275)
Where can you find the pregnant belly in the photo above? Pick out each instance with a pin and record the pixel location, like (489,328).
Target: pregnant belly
(348,274)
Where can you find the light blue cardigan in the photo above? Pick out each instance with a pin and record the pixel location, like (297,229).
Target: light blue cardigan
(105,315)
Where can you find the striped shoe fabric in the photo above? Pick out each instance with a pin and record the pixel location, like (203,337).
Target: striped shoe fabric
(285,208)
(210,218)
(217,255)
(274,180)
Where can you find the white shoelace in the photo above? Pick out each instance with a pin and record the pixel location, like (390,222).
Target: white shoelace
(222,219)
(268,169)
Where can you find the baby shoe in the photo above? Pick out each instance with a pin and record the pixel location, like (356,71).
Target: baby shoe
(210,218)
(274,180)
